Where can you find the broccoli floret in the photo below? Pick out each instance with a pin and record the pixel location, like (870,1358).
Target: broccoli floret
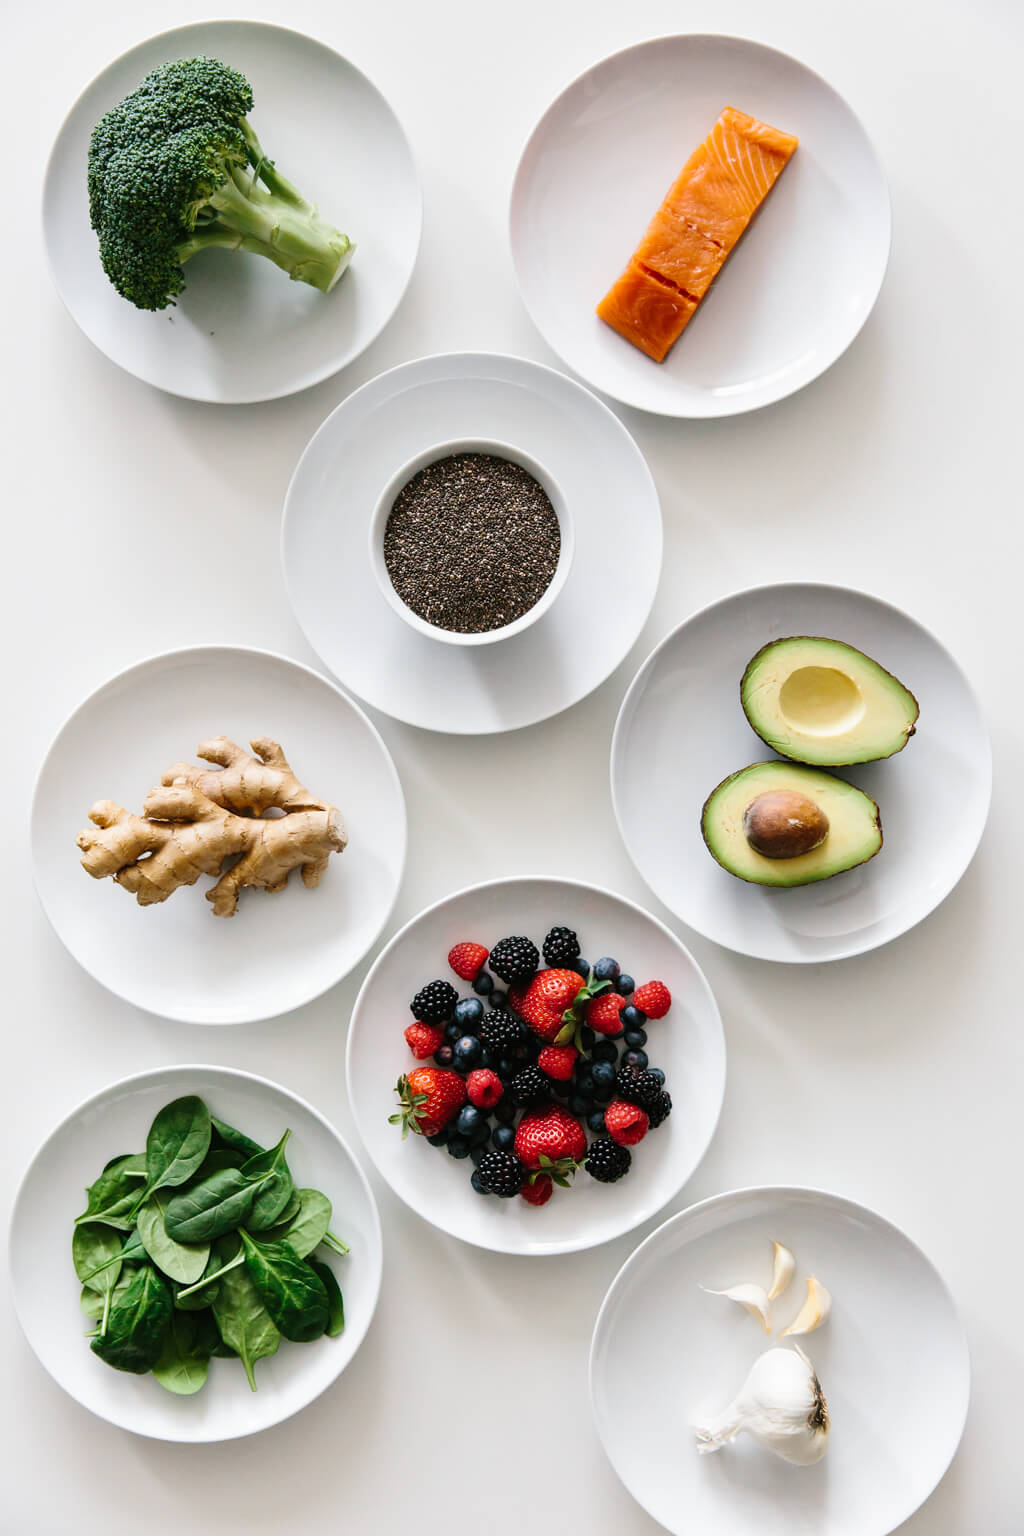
(176,168)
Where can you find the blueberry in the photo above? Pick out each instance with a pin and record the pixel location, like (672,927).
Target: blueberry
(477,1154)
(503,1137)
(508,1066)
(636,1059)
(499,999)
(634,1039)
(582,968)
(484,984)
(482,1134)
(444,1055)
(606,968)
(478,1184)
(604,1094)
(658,1073)
(633,1017)
(588,1038)
(441,1139)
(458,1146)
(584,1082)
(578,1105)
(625,986)
(467,1120)
(560,1089)
(504,1111)
(488,1059)
(596,1122)
(468,1051)
(469,1012)
(603,1074)
(605,1051)
(453,1032)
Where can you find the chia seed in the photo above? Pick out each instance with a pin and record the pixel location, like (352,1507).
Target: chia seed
(471,542)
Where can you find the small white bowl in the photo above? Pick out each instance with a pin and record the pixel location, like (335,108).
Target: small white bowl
(401,478)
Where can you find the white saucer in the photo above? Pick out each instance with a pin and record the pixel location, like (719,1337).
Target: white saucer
(177,959)
(791,297)
(241,331)
(688,1044)
(577,643)
(46,1292)
(681,730)
(892,1361)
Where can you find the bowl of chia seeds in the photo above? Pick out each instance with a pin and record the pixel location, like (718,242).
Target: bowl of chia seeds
(471,541)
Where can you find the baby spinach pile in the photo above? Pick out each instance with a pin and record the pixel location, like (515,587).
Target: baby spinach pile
(202,1246)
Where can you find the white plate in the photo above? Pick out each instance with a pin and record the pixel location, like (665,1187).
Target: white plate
(515,682)
(688,1044)
(681,730)
(892,1360)
(792,296)
(177,959)
(241,331)
(46,1291)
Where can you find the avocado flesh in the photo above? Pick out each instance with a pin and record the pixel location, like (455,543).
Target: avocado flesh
(854,832)
(823,702)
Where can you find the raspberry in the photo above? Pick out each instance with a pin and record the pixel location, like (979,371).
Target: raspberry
(540,1191)
(424,1039)
(603,1013)
(467,960)
(484,1087)
(558,1061)
(653,998)
(625,1123)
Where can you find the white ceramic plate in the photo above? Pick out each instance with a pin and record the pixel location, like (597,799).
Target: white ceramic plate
(46,1291)
(681,730)
(177,959)
(241,331)
(688,1045)
(345,617)
(892,1361)
(791,297)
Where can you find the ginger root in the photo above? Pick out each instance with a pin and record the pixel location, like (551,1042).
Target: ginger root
(199,817)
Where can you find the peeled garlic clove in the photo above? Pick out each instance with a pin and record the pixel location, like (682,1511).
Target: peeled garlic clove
(780,1405)
(814,1312)
(754,1298)
(783,1265)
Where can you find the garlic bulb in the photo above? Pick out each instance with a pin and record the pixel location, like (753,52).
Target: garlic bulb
(783,1265)
(754,1298)
(813,1313)
(780,1405)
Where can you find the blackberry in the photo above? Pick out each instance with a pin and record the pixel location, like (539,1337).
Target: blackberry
(636,1087)
(530,1086)
(607,1161)
(501,1173)
(435,1004)
(514,959)
(561,948)
(660,1110)
(500,1032)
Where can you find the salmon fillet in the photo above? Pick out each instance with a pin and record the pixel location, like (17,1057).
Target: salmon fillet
(701,218)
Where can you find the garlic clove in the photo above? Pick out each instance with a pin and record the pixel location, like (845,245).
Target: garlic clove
(753,1298)
(780,1405)
(783,1265)
(815,1310)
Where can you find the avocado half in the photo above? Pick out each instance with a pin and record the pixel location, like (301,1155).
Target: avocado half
(823,702)
(854,830)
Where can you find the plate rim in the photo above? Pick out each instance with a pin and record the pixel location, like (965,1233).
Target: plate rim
(452,358)
(244,398)
(570,1245)
(731,405)
(239,1074)
(726,1197)
(139,666)
(627,708)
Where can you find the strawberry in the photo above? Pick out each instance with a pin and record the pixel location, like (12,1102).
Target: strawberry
(625,1123)
(653,998)
(552,1140)
(558,1061)
(428,1097)
(539,1190)
(424,1039)
(485,1088)
(552,1004)
(603,1013)
(467,960)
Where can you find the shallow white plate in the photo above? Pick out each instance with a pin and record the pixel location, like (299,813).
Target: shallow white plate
(560,658)
(892,1360)
(681,730)
(791,297)
(46,1291)
(177,959)
(688,1045)
(241,330)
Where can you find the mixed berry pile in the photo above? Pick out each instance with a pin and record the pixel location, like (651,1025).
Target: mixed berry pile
(543,1071)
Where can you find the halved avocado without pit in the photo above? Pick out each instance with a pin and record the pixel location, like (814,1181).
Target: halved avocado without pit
(823,702)
(785,824)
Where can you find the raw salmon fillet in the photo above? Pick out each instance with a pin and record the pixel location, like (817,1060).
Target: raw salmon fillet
(686,244)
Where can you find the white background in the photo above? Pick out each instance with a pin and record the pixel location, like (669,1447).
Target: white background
(894,1078)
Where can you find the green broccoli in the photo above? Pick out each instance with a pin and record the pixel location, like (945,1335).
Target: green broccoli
(176,168)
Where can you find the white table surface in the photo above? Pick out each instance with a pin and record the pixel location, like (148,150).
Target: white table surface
(894,1078)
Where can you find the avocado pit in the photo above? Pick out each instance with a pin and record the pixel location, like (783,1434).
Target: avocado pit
(783,824)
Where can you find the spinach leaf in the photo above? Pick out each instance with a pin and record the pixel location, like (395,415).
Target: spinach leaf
(184,1262)
(136,1324)
(183,1364)
(218,1158)
(225,1135)
(178,1140)
(215,1206)
(227,1254)
(116,1194)
(244,1323)
(335,1303)
(97,1306)
(276,1188)
(293,1294)
(307,1228)
(208,1337)
(96,1252)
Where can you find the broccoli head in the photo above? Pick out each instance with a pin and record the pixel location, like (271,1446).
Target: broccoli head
(175,167)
